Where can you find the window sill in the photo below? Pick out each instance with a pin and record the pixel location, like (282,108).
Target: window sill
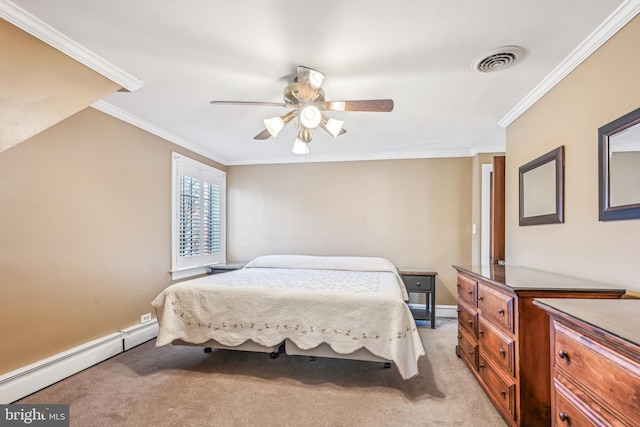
(185,273)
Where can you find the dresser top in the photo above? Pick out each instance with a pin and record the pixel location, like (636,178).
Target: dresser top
(618,317)
(523,278)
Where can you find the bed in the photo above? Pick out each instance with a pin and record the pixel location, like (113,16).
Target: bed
(344,307)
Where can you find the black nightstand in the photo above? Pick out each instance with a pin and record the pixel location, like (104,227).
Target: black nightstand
(423,281)
(226,267)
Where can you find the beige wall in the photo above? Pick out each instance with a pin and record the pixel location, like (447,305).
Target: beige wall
(40,86)
(85,211)
(416,213)
(600,90)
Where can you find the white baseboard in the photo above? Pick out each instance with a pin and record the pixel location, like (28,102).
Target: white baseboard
(447,311)
(24,381)
(138,334)
(442,311)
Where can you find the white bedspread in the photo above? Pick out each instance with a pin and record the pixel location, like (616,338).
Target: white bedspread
(273,299)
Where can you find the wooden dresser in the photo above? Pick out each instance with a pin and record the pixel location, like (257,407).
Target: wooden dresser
(595,360)
(504,339)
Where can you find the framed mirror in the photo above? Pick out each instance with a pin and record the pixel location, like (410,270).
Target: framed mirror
(619,168)
(542,189)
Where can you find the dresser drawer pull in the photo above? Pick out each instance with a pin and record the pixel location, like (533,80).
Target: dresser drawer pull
(459,336)
(470,351)
(503,393)
(502,352)
(470,292)
(480,298)
(563,416)
(481,331)
(501,311)
(482,366)
(470,321)
(563,355)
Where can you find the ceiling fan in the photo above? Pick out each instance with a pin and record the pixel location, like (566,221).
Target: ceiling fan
(305,97)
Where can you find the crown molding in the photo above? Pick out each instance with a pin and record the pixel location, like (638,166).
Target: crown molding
(497,148)
(614,22)
(136,121)
(39,29)
(353,157)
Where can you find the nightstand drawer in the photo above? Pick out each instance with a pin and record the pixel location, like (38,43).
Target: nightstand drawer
(418,283)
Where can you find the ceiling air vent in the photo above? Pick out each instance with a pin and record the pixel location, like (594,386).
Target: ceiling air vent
(497,59)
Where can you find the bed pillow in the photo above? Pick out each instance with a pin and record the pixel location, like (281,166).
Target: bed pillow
(350,263)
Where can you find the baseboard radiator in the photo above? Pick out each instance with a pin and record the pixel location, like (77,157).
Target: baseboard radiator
(27,380)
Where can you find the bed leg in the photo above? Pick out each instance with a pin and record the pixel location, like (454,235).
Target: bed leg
(387,365)
(207,349)
(312,358)
(274,355)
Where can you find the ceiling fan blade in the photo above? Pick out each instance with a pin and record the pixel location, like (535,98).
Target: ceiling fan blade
(309,82)
(375,105)
(263,135)
(272,104)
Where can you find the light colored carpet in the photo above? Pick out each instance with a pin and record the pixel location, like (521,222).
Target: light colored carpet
(183,386)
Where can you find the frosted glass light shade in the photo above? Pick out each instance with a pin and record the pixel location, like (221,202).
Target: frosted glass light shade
(333,126)
(310,116)
(300,147)
(315,78)
(274,125)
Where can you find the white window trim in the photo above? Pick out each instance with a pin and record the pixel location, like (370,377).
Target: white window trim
(189,271)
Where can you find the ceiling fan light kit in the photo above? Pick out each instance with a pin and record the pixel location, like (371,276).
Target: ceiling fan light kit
(306,97)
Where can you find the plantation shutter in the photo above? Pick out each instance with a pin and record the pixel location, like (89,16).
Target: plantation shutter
(199,222)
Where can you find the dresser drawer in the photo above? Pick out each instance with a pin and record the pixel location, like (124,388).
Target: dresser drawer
(610,375)
(569,410)
(501,390)
(468,318)
(415,283)
(468,290)
(468,348)
(497,345)
(497,305)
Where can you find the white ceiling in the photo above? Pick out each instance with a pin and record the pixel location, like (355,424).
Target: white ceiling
(416,52)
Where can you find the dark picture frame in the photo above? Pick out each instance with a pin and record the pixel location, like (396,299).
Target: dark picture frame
(606,212)
(556,215)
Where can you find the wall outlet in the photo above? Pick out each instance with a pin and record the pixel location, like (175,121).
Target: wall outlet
(145,318)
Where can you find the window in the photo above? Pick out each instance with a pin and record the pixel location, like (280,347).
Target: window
(198,217)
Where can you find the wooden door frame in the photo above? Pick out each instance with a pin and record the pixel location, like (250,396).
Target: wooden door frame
(497,241)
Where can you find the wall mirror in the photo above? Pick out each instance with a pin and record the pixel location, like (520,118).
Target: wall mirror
(542,189)
(619,168)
